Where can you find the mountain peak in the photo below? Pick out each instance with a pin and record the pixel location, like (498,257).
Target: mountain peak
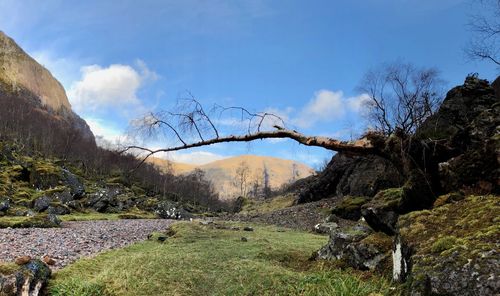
(19,70)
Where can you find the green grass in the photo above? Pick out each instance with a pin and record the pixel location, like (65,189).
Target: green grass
(253,206)
(201,260)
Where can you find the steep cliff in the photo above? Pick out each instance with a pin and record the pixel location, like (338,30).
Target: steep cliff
(24,78)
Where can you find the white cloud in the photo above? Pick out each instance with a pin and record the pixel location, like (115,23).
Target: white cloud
(328,106)
(358,104)
(105,131)
(114,87)
(325,106)
(196,157)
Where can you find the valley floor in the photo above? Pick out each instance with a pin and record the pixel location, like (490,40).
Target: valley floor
(216,259)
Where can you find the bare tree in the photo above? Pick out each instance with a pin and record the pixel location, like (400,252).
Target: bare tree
(242,175)
(485,44)
(401,96)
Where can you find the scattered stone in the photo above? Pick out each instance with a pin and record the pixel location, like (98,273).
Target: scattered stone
(244,239)
(48,260)
(22,260)
(247,228)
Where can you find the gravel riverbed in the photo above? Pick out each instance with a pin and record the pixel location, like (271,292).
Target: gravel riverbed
(75,239)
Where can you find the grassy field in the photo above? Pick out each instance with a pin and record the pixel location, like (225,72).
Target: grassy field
(202,260)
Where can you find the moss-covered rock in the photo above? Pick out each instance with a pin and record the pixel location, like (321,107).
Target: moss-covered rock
(350,207)
(37,221)
(359,247)
(454,247)
(28,279)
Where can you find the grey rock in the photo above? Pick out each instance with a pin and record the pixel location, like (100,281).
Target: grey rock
(4,205)
(358,247)
(54,219)
(171,210)
(42,203)
(77,189)
(326,228)
(58,209)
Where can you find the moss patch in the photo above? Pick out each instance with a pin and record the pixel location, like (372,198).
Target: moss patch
(8,268)
(460,238)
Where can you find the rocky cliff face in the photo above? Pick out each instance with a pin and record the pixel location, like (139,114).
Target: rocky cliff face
(443,246)
(23,76)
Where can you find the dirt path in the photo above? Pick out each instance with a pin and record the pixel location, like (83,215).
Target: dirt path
(75,239)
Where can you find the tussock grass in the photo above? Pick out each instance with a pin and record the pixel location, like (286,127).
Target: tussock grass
(253,206)
(202,260)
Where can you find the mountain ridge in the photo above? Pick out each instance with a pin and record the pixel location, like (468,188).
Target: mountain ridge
(223,173)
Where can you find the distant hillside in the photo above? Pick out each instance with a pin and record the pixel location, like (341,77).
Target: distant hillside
(223,173)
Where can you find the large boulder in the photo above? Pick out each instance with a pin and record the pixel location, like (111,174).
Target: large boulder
(42,203)
(358,246)
(354,176)
(76,187)
(451,249)
(29,279)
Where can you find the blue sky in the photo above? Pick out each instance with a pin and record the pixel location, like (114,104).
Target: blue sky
(300,59)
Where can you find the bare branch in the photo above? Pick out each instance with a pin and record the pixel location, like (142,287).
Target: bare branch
(362,146)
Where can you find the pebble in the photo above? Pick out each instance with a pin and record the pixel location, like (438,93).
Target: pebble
(75,240)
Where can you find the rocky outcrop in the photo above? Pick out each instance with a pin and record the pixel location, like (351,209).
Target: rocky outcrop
(354,176)
(29,279)
(460,144)
(440,246)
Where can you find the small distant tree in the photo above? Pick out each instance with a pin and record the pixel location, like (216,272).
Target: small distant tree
(401,96)
(242,177)
(256,184)
(295,173)
(266,183)
(485,45)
